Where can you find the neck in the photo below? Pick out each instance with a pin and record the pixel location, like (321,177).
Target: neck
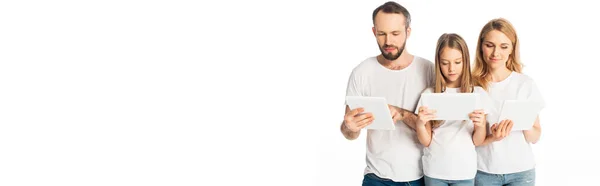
(402,62)
(452,84)
(499,74)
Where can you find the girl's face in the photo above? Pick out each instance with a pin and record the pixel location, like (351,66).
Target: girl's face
(451,64)
(496,49)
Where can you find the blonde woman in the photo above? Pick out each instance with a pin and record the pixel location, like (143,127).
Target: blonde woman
(505,157)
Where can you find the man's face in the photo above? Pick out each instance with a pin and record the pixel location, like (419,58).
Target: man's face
(391,33)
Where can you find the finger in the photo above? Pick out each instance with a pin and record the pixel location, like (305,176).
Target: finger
(502,126)
(396,117)
(395,113)
(364,123)
(510,126)
(363,117)
(493,128)
(354,112)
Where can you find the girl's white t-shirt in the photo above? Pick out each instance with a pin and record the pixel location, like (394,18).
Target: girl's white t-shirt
(451,154)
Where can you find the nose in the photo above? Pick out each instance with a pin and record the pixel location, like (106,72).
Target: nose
(388,40)
(451,67)
(495,52)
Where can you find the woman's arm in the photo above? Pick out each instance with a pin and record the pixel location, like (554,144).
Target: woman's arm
(533,135)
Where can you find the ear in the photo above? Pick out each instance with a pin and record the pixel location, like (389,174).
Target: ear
(408,32)
(373,28)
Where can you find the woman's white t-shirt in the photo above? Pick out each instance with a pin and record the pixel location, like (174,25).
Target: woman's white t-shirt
(513,153)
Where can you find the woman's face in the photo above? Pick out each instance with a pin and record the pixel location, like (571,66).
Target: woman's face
(496,47)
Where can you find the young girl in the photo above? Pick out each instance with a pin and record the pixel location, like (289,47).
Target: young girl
(505,157)
(449,156)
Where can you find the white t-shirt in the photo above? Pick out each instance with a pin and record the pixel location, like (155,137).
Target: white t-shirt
(396,154)
(513,153)
(451,154)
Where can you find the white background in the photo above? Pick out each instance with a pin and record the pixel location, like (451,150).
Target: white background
(223,93)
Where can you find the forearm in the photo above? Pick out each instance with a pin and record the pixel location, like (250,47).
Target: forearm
(424,134)
(533,135)
(479,135)
(488,139)
(408,117)
(348,134)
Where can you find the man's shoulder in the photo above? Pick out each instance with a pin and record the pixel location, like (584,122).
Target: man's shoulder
(423,61)
(428,90)
(365,66)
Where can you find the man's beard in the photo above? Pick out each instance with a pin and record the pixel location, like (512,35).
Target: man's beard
(390,56)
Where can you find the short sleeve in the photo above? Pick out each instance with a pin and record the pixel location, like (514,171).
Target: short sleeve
(431,76)
(535,95)
(486,102)
(352,88)
(427,90)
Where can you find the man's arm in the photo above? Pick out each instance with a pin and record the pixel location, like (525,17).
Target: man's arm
(353,122)
(409,118)
(348,134)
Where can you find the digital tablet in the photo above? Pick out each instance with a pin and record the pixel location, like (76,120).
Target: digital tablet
(522,113)
(456,106)
(377,106)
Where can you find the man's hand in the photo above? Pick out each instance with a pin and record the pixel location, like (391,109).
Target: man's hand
(355,120)
(396,116)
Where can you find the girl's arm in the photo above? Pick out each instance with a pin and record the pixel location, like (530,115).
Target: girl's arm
(479,135)
(424,133)
(479,131)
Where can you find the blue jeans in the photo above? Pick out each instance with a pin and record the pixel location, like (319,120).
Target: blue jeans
(374,180)
(429,181)
(525,178)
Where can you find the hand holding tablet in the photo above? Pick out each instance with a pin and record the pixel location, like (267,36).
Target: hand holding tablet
(451,106)
(376,107)
(521,112)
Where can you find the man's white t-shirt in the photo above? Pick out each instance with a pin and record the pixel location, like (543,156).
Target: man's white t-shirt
(451,154)
(513,153)
(396,154)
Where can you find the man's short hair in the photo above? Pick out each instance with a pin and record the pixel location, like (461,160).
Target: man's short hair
(393,7)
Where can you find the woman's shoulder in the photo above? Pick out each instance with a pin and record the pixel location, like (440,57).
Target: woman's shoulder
(479,89)
(520,77)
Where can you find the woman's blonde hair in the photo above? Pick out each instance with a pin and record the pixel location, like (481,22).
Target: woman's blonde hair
(481,71)
(453,41)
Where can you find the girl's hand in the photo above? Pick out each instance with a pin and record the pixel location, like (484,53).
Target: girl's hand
(478,118)
(425,115)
